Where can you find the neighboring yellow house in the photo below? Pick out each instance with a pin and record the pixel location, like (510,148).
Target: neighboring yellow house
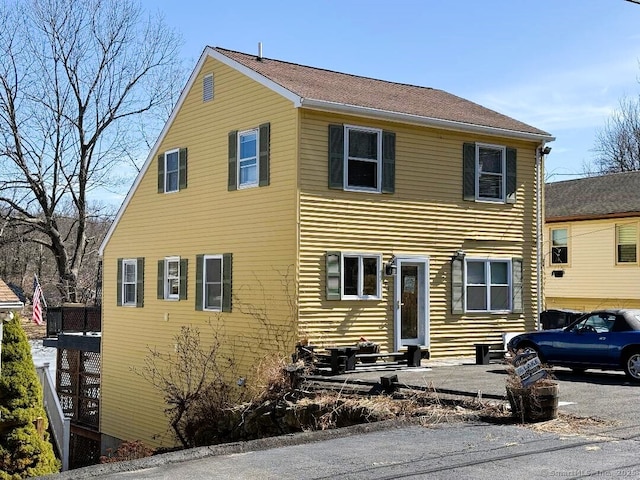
(283,202)
(591,254)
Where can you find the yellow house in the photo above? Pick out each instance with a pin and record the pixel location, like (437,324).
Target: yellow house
(283,202)
(591,254)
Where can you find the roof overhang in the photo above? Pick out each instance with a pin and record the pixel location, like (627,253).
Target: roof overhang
(8,306)
(595,216)
(422,121)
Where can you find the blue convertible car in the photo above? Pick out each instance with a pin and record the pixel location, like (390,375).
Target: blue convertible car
(604,339)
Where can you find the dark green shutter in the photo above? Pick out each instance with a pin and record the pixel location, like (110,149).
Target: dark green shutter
(333,268)
(265,134)
(140,282)
(161,173)
(182,172)
(119,283)
(516,285)
(184,267)
(512,184)
(336,156)
(199,281)
(469,171)
(233,160)
(227,264)
(457,285)
(160,284)
(388,162)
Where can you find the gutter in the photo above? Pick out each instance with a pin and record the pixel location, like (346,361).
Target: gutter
(539,255)
(335,107)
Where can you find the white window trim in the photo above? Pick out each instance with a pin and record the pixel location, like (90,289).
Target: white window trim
(617,243)
(205,99)
(345,169)
(252,184)
(166,172)
(551,230)
(204,282)
(503,188)
(167,295)
(134,262)
(488,284)
(360,256)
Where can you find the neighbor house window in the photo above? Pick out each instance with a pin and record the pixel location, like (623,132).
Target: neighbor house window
(559,246)
(130,283)
(627,240)
(361,159)
(172,170)
(353,276)
(213,282)
(489,173)
(488,287)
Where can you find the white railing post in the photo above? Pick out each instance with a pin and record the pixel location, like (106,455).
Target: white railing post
(60,425)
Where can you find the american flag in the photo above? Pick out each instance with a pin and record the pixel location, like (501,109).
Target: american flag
(37,306)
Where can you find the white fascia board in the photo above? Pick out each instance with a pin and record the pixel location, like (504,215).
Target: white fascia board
(8,306)
(253,75)
(208,52)
(419,120)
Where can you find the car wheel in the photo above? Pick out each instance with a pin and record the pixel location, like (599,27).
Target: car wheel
(632,366)
(527,349)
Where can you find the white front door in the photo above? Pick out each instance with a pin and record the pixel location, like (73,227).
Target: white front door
(411,302)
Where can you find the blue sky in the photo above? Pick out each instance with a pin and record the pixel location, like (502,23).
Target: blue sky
(559,65)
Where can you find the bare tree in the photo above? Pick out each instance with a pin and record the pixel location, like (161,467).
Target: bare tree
(77,78)
(618,143)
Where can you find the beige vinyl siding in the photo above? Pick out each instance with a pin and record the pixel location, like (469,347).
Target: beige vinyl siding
(426,216)
(592,279)
(257,225)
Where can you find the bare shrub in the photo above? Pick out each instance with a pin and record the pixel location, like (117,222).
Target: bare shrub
(127,451)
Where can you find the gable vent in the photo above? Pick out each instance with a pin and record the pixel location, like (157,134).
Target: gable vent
(207,88)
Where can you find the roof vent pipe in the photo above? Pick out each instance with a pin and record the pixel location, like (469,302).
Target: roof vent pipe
(259,58)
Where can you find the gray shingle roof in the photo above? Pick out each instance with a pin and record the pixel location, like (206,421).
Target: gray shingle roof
(616,193)
(345,89)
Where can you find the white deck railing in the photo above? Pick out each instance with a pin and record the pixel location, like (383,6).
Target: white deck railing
(60,425)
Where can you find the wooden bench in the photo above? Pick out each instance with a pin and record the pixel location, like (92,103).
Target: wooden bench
(345,359)
(485,352)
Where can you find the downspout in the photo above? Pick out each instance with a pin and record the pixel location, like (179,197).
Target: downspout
(539,256)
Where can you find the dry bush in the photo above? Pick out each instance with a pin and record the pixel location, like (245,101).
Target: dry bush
(127,451)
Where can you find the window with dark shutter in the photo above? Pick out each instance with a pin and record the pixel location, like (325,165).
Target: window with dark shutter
(264,144)
(489,173)
(233,160)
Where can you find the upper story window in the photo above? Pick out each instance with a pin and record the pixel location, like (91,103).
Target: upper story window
(488,285)
(559,246)
(172,170)
(207,88)
(353,276)
(627,243)
(361,159)
(489,173)
(249,157)
(130,282)
(363,163)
